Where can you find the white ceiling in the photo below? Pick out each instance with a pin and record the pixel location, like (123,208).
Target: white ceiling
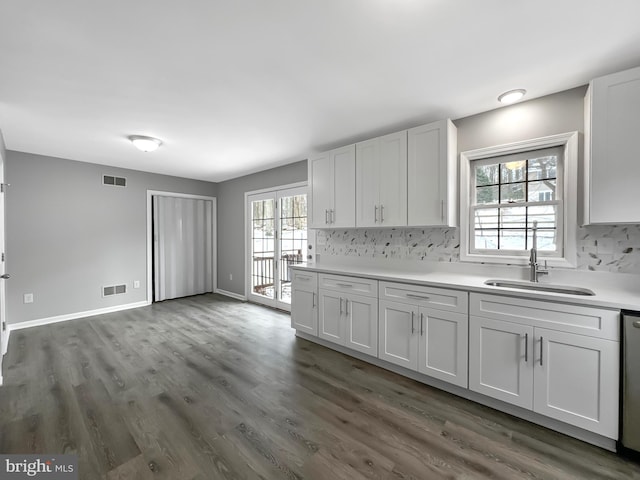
(237,86)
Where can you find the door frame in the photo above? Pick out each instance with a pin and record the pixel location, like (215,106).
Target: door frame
(4,335)
(247,235)
(214,236)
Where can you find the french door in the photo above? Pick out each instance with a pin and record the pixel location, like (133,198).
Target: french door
(277,239)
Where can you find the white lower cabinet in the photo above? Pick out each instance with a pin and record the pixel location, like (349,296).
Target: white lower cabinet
(422,338)
(571,377)
(304,307)
(347,318)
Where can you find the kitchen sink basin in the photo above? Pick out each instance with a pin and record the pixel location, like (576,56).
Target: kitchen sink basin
(540,287)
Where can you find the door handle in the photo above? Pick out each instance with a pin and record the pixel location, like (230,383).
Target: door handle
(636,324)
(381,213)
(375,214)
(421,322)
(5,276)
(526,347)
(541,349)
(412,327)
(313,301)
(340,305)
(326,217)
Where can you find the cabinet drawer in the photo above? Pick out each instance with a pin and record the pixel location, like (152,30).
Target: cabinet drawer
(439,298)
(342,283)
(305,280)
(594,322)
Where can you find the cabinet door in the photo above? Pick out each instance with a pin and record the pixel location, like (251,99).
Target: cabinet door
(613,167)
(304,314)
(361,324)
(576,380)
(443,346)
(393,180)
(367,181)
(321,186)
(500,360)
(432,175)
(344,179)
(330,324)
(398,335)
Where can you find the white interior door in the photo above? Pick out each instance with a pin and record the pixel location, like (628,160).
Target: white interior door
(3,332)
(183,247)
(277,239)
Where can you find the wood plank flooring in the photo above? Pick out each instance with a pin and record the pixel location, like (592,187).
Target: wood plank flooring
(207,387)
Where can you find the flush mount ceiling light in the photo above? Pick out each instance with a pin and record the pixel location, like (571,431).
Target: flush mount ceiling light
(145,144)
(512,96)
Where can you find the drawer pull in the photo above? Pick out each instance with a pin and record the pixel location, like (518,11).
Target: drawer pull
(541,349)
(347,285)
(421,322)
(306,279)
(419,297)
(412,327)
(526,347)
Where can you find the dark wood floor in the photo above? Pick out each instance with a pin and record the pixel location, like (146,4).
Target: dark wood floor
(206,388)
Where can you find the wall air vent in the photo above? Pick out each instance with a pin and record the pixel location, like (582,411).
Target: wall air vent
(114,290)
(114,181)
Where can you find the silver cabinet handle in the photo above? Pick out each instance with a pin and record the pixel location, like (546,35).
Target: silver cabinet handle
(348,285)
(340,305)
(375,214)
(313,301)
(5,276)
(421,321)
(326,217)
(412,328)
(332,216)
(636,324)
(541,349)
(526,347)
(419,297)
(381,213)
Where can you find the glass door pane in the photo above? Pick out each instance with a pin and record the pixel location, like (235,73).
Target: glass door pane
(293,240)
(263,231)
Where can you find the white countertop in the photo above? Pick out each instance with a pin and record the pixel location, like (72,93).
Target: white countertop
(613,291)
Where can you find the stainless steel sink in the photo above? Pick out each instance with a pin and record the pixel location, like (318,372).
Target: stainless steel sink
(540,287)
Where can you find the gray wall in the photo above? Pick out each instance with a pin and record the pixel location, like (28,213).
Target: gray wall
(231,230)
(68,235)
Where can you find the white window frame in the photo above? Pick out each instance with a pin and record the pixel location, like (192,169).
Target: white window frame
(569,214)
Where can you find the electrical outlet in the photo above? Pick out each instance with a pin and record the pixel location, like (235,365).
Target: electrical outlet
(136,284)
(231,276)
(27,298)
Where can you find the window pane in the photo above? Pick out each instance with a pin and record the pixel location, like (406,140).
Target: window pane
(513,217)
(542,191)
(545,215)
(485,195)
(543,167)
(486,218)
(486,239)
(513,171)
(512,239)
(487,174)
(512,193)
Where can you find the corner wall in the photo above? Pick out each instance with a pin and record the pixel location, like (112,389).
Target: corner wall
(68,235)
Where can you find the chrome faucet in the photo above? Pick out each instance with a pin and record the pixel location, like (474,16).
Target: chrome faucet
(535,270)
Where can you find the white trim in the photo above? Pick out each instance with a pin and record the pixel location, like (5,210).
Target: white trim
(5,344)
(214,234)
(73,316)
(226,293)
(570,211)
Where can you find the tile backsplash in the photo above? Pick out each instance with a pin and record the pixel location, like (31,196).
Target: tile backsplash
(601,248)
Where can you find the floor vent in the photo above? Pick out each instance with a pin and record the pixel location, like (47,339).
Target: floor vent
(114,290)
(114,181)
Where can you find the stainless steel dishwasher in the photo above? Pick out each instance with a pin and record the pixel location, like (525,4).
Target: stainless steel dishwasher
(630,384)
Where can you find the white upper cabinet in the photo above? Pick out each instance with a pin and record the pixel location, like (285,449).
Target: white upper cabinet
(432,175)
(381,181)
(612,160)
(331,180)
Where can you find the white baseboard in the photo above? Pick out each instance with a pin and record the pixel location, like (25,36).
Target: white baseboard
(73,316)
(231,294)
(5,343)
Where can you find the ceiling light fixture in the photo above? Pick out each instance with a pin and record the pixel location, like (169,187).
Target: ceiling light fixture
(145,144)
(512,96)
